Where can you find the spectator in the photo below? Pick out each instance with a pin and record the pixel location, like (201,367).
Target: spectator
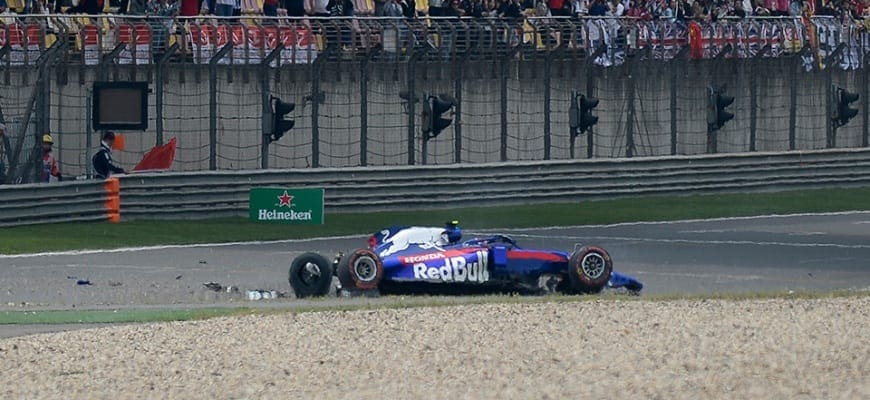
(160,26)
(454,10)
(737,10)
(579,8)
(669,12)
(436,8)
(683,10)
(639,9)
(746,6)
(270,8)
(189,8)
(616,9)
(91,7)
(211,5)
(473,8)
(409,8)
(794,8)
(598,8)
(760,10)
(393,9)
(295,8)
(49,164)
(320,8)
(138,7)
(103,166)
(558,8)
(340,8)
(542,10)
(224,8)
(510,9)
(698,13)
(490,8)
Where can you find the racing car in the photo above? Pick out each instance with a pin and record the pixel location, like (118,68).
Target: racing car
(436,257)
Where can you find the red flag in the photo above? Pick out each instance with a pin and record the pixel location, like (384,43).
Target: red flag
(158,158)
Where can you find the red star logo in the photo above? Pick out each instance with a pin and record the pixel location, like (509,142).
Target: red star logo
(284,200)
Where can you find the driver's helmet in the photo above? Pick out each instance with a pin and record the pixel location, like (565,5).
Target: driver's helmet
(453,232)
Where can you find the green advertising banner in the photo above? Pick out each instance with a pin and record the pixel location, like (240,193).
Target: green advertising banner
(289,206)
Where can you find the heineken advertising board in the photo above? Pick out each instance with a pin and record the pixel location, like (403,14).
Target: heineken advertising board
(289,206)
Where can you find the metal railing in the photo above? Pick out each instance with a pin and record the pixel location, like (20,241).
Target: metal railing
(42,204)
(512,79)
(140,40)
(225,193)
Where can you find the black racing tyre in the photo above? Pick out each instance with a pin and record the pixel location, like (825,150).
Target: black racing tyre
(310,275)
(360,269)
(589,269)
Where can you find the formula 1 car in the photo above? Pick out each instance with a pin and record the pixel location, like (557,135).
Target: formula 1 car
(423,257)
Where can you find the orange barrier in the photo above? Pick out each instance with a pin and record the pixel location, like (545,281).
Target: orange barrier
(113,199)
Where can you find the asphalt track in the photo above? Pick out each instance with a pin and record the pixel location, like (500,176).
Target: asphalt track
(770,253)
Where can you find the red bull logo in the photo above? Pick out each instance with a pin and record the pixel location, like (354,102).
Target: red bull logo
(455,269)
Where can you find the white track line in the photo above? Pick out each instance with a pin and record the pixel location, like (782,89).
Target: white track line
(691,241)
(255,243)
(175,246)
(682,221)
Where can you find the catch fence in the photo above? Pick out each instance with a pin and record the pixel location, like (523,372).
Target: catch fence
(212,80)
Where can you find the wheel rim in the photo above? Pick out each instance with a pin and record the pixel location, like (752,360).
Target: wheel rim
(365,268)
(593,265)
(309,274)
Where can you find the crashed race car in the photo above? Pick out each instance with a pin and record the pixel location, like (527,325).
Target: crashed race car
(424,259)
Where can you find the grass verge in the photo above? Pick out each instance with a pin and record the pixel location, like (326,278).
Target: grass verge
(59,237)
(51,317)
(392,302)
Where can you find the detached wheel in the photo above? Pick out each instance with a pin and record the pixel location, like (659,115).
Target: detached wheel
(589,269)
(361,269)
(310,275)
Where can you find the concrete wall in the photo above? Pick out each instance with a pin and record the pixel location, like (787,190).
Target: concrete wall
(239,110)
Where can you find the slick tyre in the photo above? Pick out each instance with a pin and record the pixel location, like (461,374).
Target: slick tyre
(310,275)
(589,270)
(360,269)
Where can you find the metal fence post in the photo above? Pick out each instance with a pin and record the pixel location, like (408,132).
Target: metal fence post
(89,133)
(753,96)
(37,104)
(158,77)
(412,60)
(830,127)
(212,104)
(679,56)
(629,124)
(547,134)
(865,85)
(590,132)
(266,92)
(317,97)
(364,111)
(503,109)
(792,111)
(457,119)
(753,104)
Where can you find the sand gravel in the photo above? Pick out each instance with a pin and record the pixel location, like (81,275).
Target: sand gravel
(785,349)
